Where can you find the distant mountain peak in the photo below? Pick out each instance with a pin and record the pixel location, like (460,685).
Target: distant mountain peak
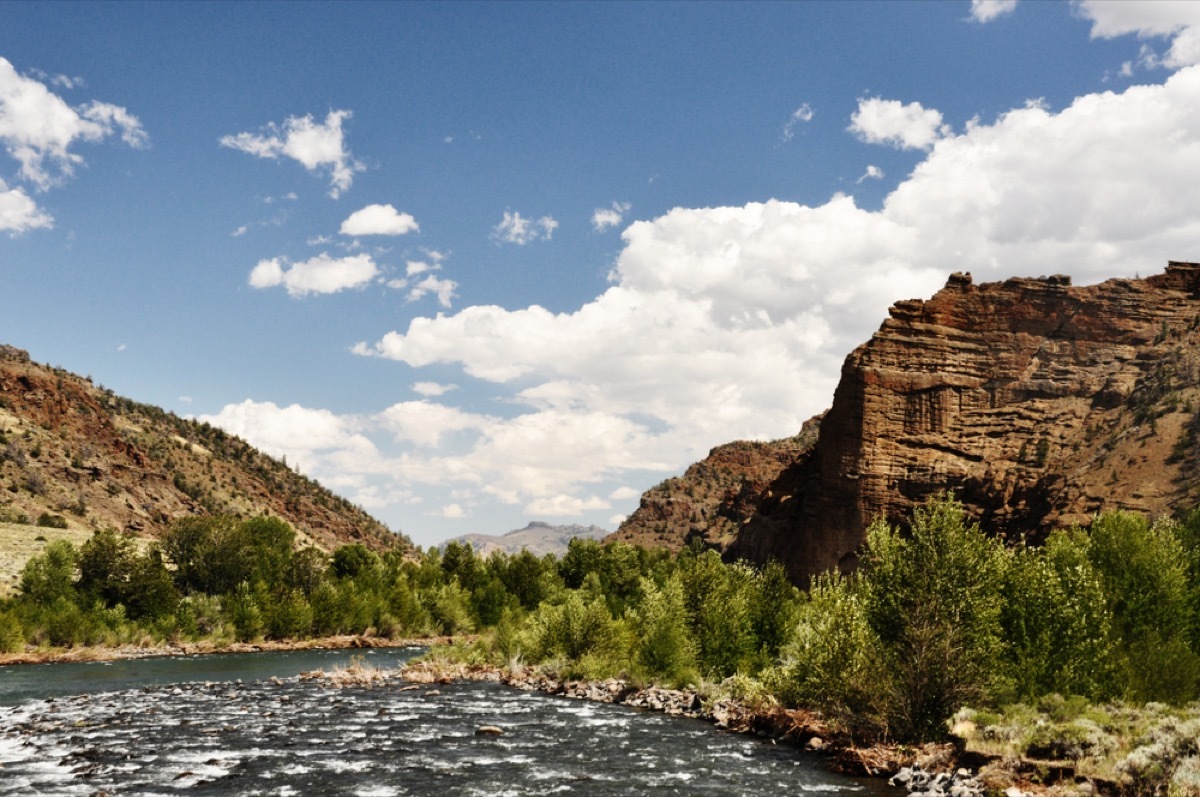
(537,537)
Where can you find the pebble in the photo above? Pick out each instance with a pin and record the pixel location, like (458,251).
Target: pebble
(962,783)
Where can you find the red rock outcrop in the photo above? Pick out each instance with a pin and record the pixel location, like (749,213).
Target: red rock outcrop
(1037,403)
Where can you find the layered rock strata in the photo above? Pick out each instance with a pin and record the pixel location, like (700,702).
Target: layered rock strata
(1037,403)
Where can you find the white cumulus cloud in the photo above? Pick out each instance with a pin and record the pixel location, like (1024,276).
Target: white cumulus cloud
(320,274)
(1176,20)
(379,220)
(19,213)
(516,229)
(911,126)
(564,506)
(38,128)
(317,147)
(987,10)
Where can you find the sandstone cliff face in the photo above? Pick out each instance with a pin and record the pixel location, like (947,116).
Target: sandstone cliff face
(1037,403)
(94,459)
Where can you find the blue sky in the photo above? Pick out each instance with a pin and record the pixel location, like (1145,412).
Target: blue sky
(472,265)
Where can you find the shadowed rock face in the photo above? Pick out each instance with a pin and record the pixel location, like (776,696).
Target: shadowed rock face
(1037,403)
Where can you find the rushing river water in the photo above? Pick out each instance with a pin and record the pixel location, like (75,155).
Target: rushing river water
(245,725)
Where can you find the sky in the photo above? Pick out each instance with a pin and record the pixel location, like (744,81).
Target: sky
(475,264)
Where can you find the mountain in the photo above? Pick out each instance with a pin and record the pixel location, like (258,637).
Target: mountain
(1036,402)
(81,455)
(716,496)
(537,538)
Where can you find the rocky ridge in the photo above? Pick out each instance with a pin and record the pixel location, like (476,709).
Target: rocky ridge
(711,501)
(75,454)
(1037,403)
(538,538)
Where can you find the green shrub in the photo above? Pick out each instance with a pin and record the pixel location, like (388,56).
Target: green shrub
(834,661)
(49,521)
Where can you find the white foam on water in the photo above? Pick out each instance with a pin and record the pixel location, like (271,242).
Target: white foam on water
(377,791)
(830,787)
(346,766)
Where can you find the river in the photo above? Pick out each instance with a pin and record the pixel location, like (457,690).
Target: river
(244,724)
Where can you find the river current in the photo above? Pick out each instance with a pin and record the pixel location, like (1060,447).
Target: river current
(247,725)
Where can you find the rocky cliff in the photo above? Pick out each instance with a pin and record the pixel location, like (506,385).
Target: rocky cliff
(711,501)
(83,456)
(1037,403)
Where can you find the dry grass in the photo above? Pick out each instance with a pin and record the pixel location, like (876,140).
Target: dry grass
(19,543)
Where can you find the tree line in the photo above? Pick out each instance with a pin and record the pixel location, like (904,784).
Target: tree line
(939,615)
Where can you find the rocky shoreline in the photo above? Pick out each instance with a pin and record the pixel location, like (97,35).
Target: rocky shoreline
(796,727)
(929,770)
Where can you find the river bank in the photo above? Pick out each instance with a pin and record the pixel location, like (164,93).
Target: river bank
(796,727)
(931,769)
(122,652)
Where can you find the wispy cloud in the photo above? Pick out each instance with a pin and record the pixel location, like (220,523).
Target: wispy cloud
(799,116)
(873,172)
(516,229)
(607,218)
(317,147)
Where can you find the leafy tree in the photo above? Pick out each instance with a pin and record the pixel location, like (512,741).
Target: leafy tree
(663,648)
(1144,570)
(717,598)
(289,616)
(1057,623)
(266,544)
(459,561)
(582,557)
(489,600)
(198,548)
(306,570)
(575,628)
(245,613)
(450,609)
(934,600)
(526,577)
(50,576)
(834,661)
(151,588)
(106,563)
(773,609)
(354,561)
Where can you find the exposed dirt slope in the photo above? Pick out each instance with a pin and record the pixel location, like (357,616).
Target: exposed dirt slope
(79,452)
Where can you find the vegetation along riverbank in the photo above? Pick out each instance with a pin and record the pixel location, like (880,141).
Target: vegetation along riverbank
(1074,663)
